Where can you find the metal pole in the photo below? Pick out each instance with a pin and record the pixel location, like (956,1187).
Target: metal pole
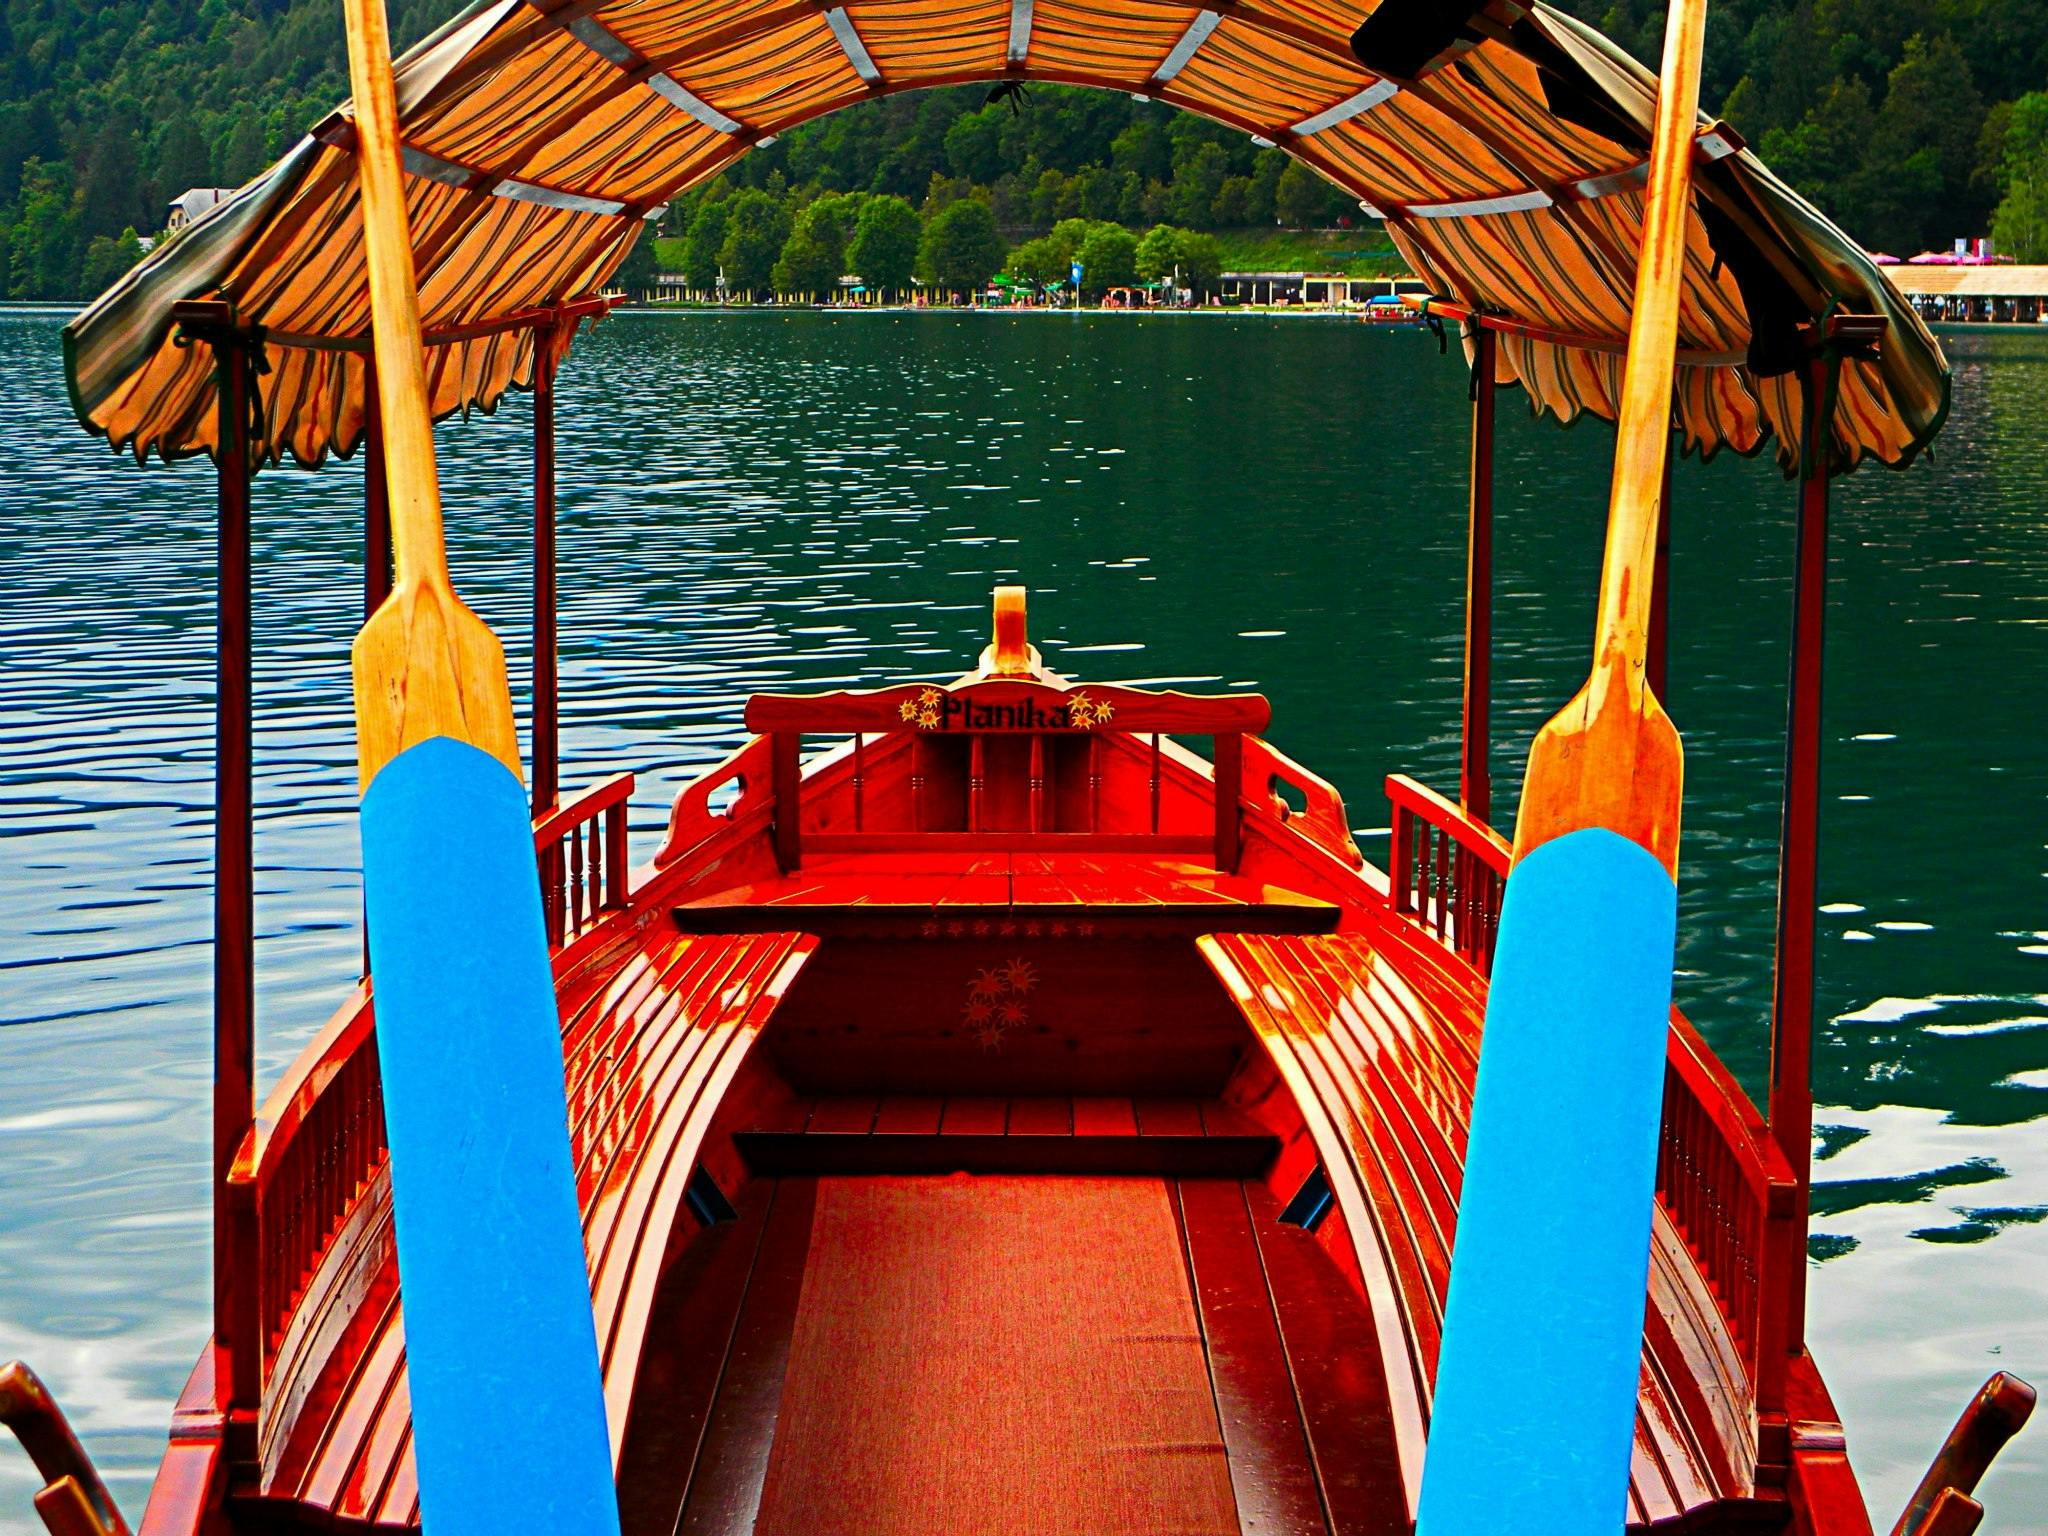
(234,933)
(546,683)
(1791,1104)
(1660,589)
(1475,782)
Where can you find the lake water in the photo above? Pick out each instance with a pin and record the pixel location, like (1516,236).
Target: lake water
(777,501)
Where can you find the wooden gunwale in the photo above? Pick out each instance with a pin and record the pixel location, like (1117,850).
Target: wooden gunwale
(1411,1141)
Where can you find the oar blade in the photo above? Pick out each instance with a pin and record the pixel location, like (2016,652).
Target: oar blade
(508,1412)
(426,666)
(1607,759)
(1534,1408)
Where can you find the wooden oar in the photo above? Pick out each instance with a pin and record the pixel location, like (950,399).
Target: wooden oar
(508,1412)
(1533,1415)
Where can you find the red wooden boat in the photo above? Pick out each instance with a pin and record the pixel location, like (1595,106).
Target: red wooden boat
(985,1124)
(1004,1118)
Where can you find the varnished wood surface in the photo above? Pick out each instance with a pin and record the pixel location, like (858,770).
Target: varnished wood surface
(650,1047)
(1382,1093)
(1299,1406)
(1611,757)
(425,666)
(1038,1134)
(1381,1058)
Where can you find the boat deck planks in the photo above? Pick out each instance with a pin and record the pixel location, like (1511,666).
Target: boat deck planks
(1273,1385)
(1384,1076)
(648,1057)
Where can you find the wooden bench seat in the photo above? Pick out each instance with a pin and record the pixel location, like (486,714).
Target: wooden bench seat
(901,893)
(1383,1076)
(867,1135)
(649,1052)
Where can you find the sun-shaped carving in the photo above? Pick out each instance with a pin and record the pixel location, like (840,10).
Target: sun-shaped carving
(907,710)
(923,711)
(978,1012)
(991,1036)
(990,981)
(1010,1013)
(1088,713)
(1020,976)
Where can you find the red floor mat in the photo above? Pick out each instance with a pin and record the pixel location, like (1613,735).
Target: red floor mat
(997,1356)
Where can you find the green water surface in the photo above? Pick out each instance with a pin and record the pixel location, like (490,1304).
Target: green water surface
(775,501)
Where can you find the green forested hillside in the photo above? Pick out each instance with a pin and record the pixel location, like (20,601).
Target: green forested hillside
(1911,121)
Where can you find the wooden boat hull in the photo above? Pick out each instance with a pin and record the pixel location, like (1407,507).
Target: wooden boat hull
(995,1006)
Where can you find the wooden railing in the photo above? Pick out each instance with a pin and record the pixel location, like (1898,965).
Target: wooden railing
(318,1142)
(1001,706)
(319,1139)
(1715,1180)
(581,846)
(1447,872)
(1720,1178)
(692,820)
(1321,819)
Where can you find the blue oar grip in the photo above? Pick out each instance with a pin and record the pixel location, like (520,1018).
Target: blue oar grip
(1533,1417)
(507,1397)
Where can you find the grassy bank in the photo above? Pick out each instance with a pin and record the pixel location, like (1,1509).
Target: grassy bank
(1363,252)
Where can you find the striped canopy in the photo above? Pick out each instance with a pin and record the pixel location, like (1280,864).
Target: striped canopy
(1504,146)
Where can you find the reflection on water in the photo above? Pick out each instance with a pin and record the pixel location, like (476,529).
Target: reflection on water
(770,501)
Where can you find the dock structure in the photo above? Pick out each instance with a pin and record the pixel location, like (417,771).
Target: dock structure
(1328,289)
(1992,293)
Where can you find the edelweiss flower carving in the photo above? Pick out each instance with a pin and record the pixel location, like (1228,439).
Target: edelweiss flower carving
(995,1001)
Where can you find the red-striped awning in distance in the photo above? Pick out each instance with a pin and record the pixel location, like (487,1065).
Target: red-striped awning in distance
(542,134)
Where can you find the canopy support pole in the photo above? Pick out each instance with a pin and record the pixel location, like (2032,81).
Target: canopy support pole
(376,498)
(1782,1330)
(1655,670)
(546,680)
(1475,782)
(237,1365)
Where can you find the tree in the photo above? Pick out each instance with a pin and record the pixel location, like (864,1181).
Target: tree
(1038,261)
(1302,199)
(756,226)
(1196,181)
(1201,261)
(974,147)
(815,254)
(43,254)
(110,190)
(1158,253)
(1142,150)
(1822,155)
(1928,128)
(1259,196)
(1108,259)
(181,160)
(1233,202)
(1100,190)
(637,272)
(241,152)
(885,241)
(962,248)
(1067,235)
(2020,223)
(107,259)
(1193,259)
(1045,196)
(702,245)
